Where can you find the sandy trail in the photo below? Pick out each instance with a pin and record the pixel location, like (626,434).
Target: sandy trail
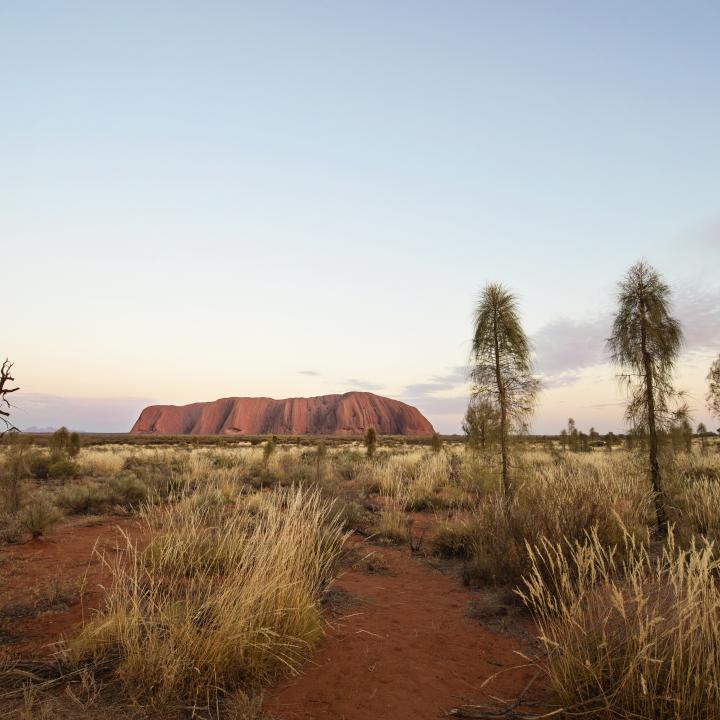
(403,647)
(64,559)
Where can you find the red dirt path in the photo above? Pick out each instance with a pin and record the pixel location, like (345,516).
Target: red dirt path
(404,650)
(401,647)
(32,572)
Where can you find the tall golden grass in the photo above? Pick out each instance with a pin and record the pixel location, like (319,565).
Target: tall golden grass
(220,596)
(629,636)
(223,587)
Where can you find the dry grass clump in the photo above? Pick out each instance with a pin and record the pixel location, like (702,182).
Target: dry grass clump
(454,537)
(220,597)
(697,511)
(415,477)
(558,501)
(101,463)
(627,636)
(391,526)
(697,466)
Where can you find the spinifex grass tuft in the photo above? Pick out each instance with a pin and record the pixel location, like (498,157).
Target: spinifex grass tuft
(217,598)
(631,638)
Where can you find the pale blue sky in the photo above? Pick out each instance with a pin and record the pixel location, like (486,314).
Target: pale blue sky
(206,199)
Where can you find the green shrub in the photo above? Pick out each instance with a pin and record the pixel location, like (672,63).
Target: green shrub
(39,516)
(39,464)
(73,445)
(163,476)
(371,441)
(12,472)
(59,440)
(269,449)
(83,498)
(353,515)
(259,476)
(346,466)
(63,468)
(128,490)
(436,442)
(453,538)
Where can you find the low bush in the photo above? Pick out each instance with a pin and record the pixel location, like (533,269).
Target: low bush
(38,516)
(39,464)
(63,468)
(12,473)
(352,514)
(128,490)
(88,498)
(453,538)
(10,529)
(259,476)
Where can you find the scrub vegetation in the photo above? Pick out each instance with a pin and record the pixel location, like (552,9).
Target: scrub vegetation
(219,586)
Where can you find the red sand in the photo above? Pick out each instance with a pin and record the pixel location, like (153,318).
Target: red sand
(401,646)
(406,650)
(64,559)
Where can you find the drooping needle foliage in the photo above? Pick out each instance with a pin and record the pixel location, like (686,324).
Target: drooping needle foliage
(713,396)
(502,365)
(645,344)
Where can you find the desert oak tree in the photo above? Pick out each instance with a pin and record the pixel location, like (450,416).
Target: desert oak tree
(502,366)
(481,423)
(645,343)
(713,396)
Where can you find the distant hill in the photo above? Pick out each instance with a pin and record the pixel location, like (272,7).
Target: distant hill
(349,414)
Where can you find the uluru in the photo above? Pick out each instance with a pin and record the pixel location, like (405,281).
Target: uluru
(348,414)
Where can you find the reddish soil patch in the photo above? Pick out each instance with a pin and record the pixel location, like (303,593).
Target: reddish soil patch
(48,585)
(404,648)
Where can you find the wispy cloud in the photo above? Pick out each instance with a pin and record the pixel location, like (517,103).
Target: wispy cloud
(445,411)
(699,312)
(313,373)
(456,377)
(565,379)
(564,347)
(363,385)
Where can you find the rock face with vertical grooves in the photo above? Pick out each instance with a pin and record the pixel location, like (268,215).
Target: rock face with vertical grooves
(349,414)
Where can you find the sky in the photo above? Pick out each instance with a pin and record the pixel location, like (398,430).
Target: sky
(202,200)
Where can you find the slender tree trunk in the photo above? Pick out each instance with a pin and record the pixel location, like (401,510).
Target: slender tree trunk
(503,414)
(652,431)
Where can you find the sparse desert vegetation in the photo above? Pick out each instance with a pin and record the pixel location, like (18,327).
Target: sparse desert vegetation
(217,584)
